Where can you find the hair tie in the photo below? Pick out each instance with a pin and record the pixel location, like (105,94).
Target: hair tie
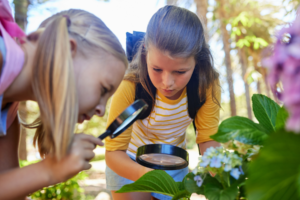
(132,43)
(68,20)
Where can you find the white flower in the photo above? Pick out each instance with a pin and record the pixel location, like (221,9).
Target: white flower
(226,160)
(205,161)
(209,151)
(227,168)
(195,171)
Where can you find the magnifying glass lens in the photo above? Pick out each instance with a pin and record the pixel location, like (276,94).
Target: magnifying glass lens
(128,120)
(162,159)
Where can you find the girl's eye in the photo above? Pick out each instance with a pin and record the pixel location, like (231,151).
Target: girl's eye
(181,72)
(157,70)
(104,91)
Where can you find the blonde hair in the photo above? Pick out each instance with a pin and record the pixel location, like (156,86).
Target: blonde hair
(53,74)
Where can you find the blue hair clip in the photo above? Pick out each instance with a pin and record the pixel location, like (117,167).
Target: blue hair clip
(133,41)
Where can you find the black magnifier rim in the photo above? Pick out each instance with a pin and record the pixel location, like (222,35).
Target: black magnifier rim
(138,104)
(162,149)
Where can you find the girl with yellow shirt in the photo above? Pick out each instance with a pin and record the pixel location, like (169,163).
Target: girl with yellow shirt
(173,64)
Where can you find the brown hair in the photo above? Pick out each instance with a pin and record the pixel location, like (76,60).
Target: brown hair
(53,74)
(178,32)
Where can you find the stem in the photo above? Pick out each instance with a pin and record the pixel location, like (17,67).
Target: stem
(238,196)
(222,181)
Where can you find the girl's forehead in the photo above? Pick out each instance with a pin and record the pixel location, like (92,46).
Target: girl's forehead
(164,59)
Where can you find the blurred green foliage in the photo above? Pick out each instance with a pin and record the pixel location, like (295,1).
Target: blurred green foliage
(62,191)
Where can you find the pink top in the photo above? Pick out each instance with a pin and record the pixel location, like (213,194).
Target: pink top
(14,54)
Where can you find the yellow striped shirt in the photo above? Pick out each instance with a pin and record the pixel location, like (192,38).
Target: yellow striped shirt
(166,124)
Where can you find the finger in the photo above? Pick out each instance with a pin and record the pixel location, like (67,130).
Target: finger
(92,139)
(88,155)
(87,145)
(87,166)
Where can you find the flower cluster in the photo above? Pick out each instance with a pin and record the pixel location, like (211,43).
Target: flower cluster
(241,148)
(284,67)
(216,160)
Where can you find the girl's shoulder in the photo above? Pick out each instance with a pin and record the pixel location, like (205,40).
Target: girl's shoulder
(127,85)
(126,90)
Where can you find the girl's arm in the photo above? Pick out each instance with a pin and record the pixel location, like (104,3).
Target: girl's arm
(122,164)
(205,145)
(16,183)
(116,157)
(207,120)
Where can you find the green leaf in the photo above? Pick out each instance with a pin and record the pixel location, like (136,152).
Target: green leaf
(256,45)
(181,194)
(281,118)
(262,42)
(157,181)
(213,192)
(298,182)
(273,174)
(265,111)
(180,185)
(191,186)
(241,129)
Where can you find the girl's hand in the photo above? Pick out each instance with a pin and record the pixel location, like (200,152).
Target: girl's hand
(80,153)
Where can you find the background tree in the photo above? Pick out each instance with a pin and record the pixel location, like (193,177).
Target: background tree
(221,17)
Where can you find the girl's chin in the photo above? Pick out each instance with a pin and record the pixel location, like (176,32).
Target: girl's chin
(80,119)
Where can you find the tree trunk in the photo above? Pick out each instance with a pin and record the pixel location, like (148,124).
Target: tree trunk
(21,8)
(201,12)
(258,83)
(244,64)
(226,46)
(263,72)
(258,87)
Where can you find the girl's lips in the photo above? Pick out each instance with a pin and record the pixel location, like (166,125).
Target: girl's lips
(83,117)
(86,117)
(168,91)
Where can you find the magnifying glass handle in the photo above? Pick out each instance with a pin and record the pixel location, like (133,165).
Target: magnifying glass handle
(105,134)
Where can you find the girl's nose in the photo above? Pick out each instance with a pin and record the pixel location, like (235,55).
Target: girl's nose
(100,110)
(168,80)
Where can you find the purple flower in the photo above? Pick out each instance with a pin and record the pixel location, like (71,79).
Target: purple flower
(241,170)
(235,173)
(215,162)
(284,67)
(198,180)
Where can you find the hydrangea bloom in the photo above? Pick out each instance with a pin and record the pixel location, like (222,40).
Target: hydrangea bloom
(217,160)
(241,148)
(235,173)
(284,67)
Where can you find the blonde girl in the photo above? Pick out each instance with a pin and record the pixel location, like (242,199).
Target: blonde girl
(70,66)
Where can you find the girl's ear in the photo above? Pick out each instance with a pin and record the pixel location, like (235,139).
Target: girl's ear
(73,45)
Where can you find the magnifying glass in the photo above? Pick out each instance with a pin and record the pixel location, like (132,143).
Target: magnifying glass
(125,119)
(162,156)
